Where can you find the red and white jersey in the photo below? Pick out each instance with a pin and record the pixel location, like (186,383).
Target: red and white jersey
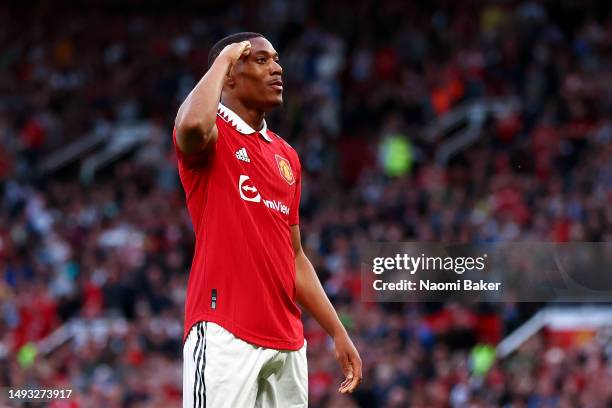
(242,197)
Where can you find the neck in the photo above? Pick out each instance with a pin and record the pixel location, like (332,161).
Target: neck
(253,117)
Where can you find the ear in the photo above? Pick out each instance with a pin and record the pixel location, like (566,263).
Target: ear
(230,76)
(229,80)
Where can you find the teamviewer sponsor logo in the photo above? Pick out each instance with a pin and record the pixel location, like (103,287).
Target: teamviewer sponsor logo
(276,205)
(248,192)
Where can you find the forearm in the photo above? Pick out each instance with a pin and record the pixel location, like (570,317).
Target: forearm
(197,114)
(312,297)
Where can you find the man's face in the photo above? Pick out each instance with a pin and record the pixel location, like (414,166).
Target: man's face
(257,77)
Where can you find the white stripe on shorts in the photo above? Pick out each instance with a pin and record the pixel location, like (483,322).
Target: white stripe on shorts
(194,363)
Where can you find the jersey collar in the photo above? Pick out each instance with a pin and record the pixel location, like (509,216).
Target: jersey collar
(240,125)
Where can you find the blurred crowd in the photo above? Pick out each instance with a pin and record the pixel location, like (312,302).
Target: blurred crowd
(362,81)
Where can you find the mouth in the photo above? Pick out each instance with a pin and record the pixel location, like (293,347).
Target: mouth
(276,84)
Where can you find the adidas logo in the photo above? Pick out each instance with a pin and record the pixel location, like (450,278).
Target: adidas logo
(242,155)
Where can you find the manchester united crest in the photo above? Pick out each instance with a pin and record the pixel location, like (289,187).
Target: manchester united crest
(285,169)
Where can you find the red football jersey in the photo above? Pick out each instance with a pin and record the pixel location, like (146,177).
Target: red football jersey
(242,198)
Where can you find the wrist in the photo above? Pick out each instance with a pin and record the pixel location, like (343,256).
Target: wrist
(224,60)
(339,333)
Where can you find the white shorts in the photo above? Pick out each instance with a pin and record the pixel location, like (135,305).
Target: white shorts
(221,370)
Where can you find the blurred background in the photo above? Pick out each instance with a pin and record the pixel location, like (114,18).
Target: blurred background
(431,121)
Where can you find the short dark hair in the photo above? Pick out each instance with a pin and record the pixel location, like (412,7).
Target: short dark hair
(234,38)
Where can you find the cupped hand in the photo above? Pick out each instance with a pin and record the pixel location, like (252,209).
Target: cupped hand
(350,362)
(235,51)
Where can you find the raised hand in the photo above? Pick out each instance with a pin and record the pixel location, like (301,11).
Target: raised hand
(233,52)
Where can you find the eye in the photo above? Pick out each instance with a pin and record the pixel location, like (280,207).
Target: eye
(260,60)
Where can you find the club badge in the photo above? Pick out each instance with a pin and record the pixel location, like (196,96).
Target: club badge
(285,169)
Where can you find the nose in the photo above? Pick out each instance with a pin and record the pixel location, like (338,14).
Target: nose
(276,68)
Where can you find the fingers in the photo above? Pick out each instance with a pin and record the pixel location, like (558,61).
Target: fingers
(349,384)
(346,386)
(353,374)
(236,51)
(245,48)
(347,370)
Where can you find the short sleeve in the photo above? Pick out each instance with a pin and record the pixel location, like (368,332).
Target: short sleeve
(191,161)
(294,211)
